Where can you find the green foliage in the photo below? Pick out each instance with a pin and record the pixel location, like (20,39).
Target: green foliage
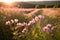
(33,32)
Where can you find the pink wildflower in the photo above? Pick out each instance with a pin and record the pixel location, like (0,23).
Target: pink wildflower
(24,30)
(54,27)
(7,23)
(33,20)
(40,17)
(16,20)
(29,23)
(24,24)
(49,25)
(36,18)
(12,21)
(19,24)
(46,29)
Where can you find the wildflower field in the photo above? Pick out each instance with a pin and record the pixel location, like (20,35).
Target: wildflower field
(29,23)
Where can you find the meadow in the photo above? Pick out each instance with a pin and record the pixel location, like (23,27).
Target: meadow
(29,23)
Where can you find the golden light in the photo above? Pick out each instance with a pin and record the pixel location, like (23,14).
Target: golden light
(8,2)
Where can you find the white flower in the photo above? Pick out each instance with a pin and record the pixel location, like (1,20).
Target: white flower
(12,21)
(7,23)
(16,20)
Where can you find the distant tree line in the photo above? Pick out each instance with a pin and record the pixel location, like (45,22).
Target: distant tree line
(29,5)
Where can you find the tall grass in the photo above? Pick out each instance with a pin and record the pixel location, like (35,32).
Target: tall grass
(34,32)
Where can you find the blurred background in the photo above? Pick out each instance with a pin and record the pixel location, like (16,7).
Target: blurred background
(45,24)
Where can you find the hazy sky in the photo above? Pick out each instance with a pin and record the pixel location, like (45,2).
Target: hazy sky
(26,0)
(9,1)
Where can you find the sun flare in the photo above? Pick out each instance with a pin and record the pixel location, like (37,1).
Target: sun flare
(8,2)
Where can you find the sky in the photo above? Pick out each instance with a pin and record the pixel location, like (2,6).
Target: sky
(10,1)
(26,0)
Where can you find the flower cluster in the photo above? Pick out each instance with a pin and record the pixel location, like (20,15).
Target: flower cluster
(11,21)
(18,24)
(49,28)
(36,19)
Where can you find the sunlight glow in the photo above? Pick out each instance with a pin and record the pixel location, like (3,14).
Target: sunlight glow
(10,1)
(7,1)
